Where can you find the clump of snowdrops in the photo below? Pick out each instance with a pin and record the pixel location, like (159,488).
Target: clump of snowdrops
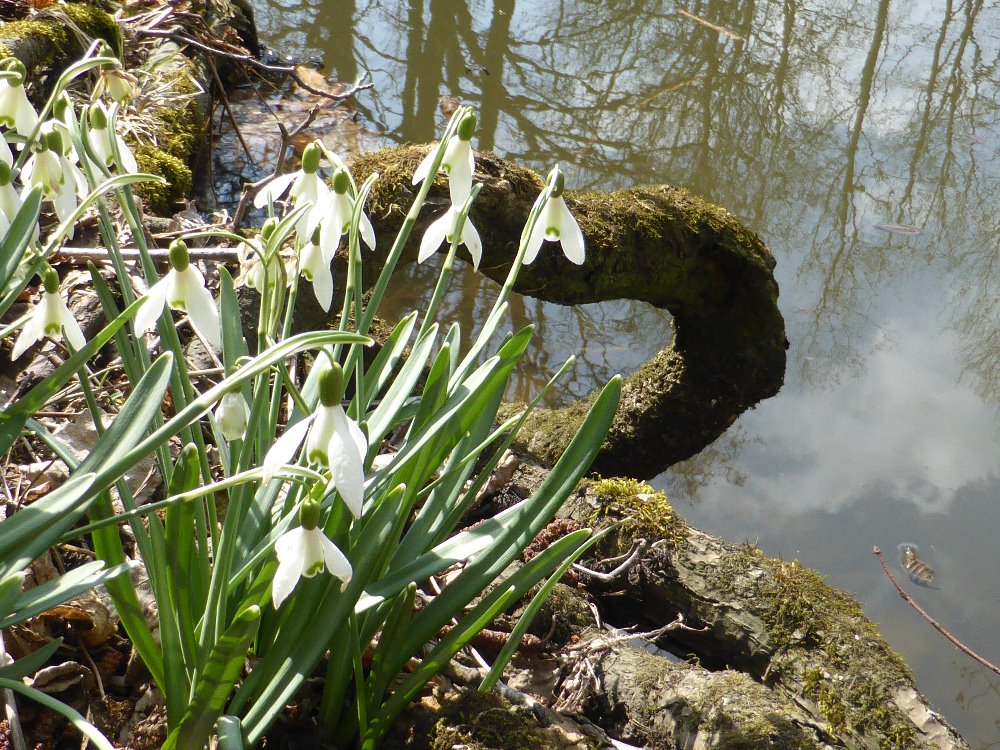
(315,562)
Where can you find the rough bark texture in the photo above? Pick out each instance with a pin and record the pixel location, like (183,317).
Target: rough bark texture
(660,245)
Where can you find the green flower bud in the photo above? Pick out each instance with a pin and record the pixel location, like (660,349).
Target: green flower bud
(331,385)
(50,280)
(98,118)
(60,106)
(53,141)
(309,513)
(268,229)
(467,126)
(310,158)
(6,176)
(179,258)
(341,181)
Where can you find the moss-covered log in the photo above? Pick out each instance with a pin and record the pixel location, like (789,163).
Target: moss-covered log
(660,245)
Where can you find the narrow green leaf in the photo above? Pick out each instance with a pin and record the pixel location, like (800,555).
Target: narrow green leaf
(230,733)
(58,590)
(31,663)
(85,727)
(234,345)
(18,237)
(225,663)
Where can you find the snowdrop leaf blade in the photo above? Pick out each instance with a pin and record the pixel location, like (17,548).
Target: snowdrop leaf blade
(18,237)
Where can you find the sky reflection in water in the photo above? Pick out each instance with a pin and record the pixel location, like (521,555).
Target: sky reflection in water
(831,118)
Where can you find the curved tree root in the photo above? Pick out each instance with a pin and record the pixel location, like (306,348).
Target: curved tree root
(659,245)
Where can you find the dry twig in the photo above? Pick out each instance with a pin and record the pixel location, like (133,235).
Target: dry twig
(937,626)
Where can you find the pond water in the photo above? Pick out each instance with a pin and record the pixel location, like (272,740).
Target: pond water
(860,139)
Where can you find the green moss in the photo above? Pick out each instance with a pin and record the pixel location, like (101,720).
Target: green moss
(564,611)
(179,132)
(644,513)
(54,43)
(854,672)
(485,721)
(160,198)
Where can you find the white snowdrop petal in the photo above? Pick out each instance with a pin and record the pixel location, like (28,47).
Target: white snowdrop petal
(283,450)
(435,235)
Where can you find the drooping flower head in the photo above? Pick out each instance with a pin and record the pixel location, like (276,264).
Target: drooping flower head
(315,267)
(50,167)
(104,140)
(458,161)
(332,440)
(307,186)
(303,552)
(334,216)
(444,229)
(556,224)
(183,288)
(232,416)
(15,110)
(50,317)
(115,83)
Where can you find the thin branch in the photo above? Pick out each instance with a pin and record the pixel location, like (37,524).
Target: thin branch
(937,626)
(288,70)
(224,254)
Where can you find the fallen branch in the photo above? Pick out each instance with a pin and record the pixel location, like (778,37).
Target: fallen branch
(937,626)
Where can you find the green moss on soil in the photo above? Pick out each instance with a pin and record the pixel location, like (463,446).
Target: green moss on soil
(54,36)
(179,132)
(859,671)
(644,513)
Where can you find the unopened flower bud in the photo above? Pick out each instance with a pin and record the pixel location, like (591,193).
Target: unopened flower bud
(341,181)
(232,416)
(309,512)
(179,257)
(467,126)
(310,158)
(331,385)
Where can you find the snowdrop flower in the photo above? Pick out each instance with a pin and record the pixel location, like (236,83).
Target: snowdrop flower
(333,440)
(315,266)
(114,82)
(103,139)
(6,155)
(183,288)
(556,224)
(232,416)
(49,167)
(306,186)
(444,229)
(303,552)
(254,273)
(50,317)
(458,161)
(335,215)
(15,109)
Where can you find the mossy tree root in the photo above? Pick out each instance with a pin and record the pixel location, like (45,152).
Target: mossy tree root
(659,245)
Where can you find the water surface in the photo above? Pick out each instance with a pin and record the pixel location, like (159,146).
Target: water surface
(859,138)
